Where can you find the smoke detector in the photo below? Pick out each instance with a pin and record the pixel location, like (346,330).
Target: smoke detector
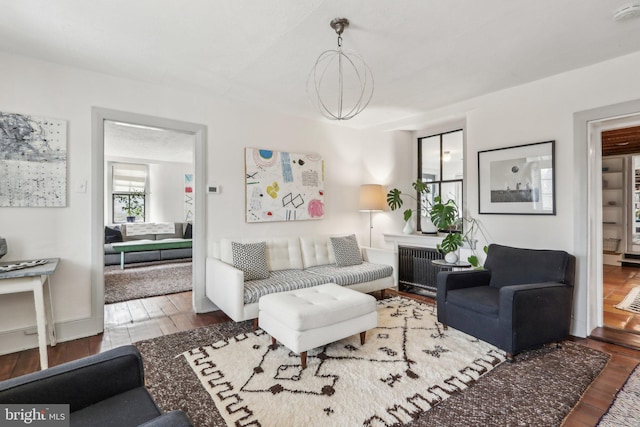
(627,12)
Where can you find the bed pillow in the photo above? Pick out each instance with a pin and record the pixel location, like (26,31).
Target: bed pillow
(251,258)
(346,250)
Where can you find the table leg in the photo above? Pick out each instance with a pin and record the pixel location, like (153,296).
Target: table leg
(51,326)
(40,323)
(121,260)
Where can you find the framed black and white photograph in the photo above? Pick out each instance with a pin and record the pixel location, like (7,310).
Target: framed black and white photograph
(518,180)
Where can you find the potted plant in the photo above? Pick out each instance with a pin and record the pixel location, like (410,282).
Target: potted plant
(132,205)
(394,200)
(446,217)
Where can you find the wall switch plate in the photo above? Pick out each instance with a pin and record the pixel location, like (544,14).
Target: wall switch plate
(81,187)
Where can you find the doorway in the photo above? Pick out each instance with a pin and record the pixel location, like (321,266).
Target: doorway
(149,210)
(99,117)
(620,140)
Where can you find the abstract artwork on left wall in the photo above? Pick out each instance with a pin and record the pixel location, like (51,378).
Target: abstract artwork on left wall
(33,161)
(283,186)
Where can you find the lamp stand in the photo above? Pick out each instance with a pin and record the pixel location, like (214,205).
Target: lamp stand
(370,227)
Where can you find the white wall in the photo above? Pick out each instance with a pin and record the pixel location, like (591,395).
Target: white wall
(166,191)
(536,112)
(45,89)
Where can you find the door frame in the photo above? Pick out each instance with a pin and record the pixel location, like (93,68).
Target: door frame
(98,116)
(588,125)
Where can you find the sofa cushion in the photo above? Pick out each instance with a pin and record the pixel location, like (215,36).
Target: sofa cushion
(346,250)
(350,275)
(281,280)
(188,231)
(316,250)
(112,234)
(251,258)
(282,253)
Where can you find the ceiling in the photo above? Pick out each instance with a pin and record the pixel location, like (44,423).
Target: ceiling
(131,142)
(621,141)
(423,54)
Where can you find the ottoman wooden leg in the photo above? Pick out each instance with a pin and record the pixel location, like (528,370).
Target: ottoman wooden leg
(273,341)
(362,337)
(303,359)
(255,324)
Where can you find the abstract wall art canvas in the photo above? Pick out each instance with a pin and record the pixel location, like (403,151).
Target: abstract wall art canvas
(283,186)
(33,161)
(188,197)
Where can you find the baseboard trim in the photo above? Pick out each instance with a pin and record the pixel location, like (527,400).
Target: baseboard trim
(17,340)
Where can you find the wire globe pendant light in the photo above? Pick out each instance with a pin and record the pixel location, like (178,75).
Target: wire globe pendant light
(340,84)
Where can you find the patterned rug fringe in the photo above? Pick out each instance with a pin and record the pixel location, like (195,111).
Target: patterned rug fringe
(631,302)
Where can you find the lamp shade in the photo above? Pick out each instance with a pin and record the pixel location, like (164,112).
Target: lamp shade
(372,197)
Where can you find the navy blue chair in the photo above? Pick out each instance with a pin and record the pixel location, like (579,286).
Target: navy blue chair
(521,300)
(106,389)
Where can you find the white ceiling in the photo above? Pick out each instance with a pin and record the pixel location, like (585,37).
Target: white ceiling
(423,53)
(130,142)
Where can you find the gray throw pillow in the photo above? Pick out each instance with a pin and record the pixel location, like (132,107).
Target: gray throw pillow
(346,250)
(251,258)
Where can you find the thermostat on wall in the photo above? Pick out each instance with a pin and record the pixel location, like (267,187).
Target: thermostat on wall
(215,189)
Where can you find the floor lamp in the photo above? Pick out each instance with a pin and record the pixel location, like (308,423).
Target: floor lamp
(371,200)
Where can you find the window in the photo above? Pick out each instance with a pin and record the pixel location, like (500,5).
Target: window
(441,165)
(129,189)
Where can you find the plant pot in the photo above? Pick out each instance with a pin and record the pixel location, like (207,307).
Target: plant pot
(408,227)
(427,226)
(131,219)
(451,257)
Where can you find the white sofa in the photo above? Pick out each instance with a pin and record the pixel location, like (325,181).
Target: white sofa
(293,263)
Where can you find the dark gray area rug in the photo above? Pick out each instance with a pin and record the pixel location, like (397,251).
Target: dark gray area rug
(146,280)
(539,389)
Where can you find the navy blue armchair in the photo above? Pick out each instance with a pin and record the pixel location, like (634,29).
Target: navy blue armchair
(106,389)
(521,300)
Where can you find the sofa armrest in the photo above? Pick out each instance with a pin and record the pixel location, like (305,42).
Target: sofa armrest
(382,256)
(170,419)
(225,288)
(79,383)
(451,280)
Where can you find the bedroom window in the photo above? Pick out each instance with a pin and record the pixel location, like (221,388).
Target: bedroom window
(441,165)
(129,192)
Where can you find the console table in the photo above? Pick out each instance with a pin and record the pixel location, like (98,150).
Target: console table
(35,279)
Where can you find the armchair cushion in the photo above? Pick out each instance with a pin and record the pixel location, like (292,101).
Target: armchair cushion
(481,299)
(118,410)
(511,266)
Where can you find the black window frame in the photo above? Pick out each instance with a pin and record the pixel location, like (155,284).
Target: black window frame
(439,182)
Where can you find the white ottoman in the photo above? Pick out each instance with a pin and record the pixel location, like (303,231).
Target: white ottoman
(311,317)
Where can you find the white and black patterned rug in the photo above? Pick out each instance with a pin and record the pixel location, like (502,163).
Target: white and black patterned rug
(407,365)
(625,410)
(537,390)
(631,302)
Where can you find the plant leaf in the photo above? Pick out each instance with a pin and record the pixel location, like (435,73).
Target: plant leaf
(407,214)
(393,199)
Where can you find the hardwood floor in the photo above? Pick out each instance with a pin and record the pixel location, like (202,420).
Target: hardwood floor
(617,282)
(136,320)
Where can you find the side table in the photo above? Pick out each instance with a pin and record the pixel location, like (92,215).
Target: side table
(35,279)
(444,265)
